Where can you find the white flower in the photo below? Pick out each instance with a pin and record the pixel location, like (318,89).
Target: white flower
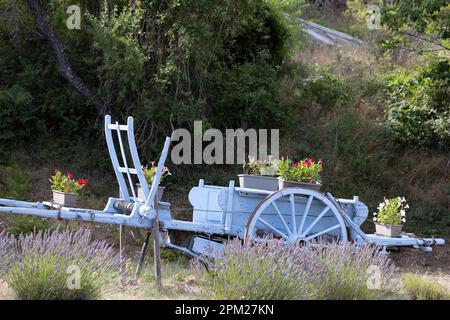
(374,219)
(403,220)
(403,199)
(402,213)
(374,213)
(407,206)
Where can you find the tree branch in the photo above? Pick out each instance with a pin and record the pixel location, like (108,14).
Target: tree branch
(64,66)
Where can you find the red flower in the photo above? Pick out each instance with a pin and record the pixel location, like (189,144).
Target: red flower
(70,175)
(308,162)
(297,164)
(82,182)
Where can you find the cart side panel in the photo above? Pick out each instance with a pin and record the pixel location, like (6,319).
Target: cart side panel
(205,203)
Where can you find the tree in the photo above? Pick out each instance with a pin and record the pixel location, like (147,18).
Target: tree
(64,66)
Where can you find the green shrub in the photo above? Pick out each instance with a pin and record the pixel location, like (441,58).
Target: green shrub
(15,183)
(247,96)
(326,89)
(59,265)
(419,288)
(419,105)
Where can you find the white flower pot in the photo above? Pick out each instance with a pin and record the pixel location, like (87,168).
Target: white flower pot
(64,198)
(282,184)
(258,182)
(387,230)
(159,193)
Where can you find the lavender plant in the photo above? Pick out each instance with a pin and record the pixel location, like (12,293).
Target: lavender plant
(8,252)
(45,261)
(268,269)
(354,272)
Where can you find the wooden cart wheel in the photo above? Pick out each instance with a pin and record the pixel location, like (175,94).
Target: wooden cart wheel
(296,215)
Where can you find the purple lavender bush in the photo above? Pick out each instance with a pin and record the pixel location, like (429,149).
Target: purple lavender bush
(350,271)
(58,265)
(267,270)
(8,252)
(271,269)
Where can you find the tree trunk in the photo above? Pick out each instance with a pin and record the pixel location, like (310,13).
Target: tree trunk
(64,66)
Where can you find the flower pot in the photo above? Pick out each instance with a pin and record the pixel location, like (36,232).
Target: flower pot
(282,184)
(388,230)
(258,182)
(64,198)
(159,193)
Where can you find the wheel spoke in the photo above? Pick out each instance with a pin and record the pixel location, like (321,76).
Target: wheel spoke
(322,232)
(294,224)
(272,227)
(281,217)
(325,210)
(305,213)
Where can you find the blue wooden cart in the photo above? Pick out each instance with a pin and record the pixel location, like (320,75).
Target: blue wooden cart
(219,213)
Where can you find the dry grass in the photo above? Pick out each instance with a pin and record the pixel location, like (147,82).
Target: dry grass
(418,287)
(179,282)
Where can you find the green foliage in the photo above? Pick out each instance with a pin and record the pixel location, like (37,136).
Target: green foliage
(429,17)
(305,170)
(65,183)
(257,167)
(16,111)
(246,96)
(391,211)
(165,63)
(15,183)
(419,288)
(418,105)
(326,89)
(149,173)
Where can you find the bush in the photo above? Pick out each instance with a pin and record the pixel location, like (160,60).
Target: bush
(270,269)
(326,89)
(42,265)
(7,252)
(15,183)
(348,269)
(265,270)
(419,288)
(419,105)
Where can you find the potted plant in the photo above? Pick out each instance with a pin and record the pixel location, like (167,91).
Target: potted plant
(303,174)
(390,217)
(149,173)
(65,188)
(259,174)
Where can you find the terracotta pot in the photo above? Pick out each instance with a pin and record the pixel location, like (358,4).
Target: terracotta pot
(388,230)
(159,193)
(64,198)
(258,182)
(282,184)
